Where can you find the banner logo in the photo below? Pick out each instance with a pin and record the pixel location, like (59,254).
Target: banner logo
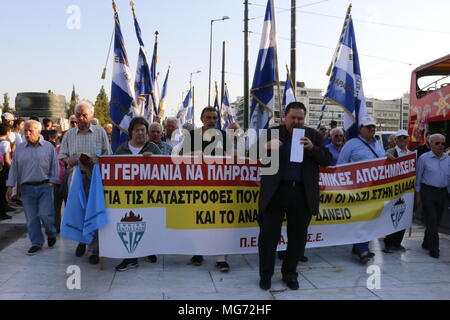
(397,212)
(131,229)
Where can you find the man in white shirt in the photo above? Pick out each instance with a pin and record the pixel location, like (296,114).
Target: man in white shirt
(393,241)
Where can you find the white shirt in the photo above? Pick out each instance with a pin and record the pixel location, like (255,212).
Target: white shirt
(5,147)
(134,150)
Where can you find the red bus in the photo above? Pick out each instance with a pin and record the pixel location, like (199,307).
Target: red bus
(429,106)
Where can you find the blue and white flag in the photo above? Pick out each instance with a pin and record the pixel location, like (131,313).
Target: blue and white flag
(96,212)
(143,85)
(227,113)
(266,74)
(154,101)
(218,109)
(163,95)
(345,87)
(188,108)
(122,105)
(288,95)
(75,212)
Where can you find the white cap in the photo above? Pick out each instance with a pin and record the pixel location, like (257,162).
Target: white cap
(367,121)
(400,133)
(8,116)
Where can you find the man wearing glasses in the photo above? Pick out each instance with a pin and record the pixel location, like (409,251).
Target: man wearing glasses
(432,183)
(393,241)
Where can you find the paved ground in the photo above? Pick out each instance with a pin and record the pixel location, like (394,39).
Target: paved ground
(331,273)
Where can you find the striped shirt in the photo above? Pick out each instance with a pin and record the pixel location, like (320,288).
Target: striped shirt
(94,142)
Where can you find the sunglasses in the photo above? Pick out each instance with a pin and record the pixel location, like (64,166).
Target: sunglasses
(73,122)
(323,129)
(402,137)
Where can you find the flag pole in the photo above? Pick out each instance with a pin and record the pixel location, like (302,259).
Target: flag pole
(276,62)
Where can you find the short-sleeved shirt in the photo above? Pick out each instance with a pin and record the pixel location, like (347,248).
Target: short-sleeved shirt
(5,146)
(95,142)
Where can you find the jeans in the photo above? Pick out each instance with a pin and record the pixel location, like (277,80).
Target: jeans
(38,206)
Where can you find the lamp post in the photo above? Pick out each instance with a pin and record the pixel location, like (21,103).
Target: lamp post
(192,92)
(210,56)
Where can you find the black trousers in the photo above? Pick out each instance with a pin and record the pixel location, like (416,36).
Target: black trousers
(394,239)
(292,201)
(433,205)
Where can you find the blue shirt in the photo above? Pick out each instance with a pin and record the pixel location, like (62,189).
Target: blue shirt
(34,164)
(433,171)
(292,171)
(334,152)
(356,150)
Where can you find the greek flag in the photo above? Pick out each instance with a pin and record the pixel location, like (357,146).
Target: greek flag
(345,87)
(266,74)
(143,85)
(153,76)
(217,107)
(227,112)
(163,95)
(288,95)
(188,108)
(122,105)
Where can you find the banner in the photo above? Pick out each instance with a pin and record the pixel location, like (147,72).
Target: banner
(157,206)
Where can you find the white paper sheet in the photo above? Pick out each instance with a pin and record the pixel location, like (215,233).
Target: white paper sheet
(297,147)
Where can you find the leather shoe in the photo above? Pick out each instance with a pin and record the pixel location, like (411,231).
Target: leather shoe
(434,254)
(291,281)
(265,283)
(81,249)
(93,259)
(51,242)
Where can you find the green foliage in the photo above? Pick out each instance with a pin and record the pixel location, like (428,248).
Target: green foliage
(6,107)
(74,99)
(101,110)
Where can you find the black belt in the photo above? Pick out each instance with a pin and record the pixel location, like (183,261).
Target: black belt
(37,183)
(434,188)
(292,183)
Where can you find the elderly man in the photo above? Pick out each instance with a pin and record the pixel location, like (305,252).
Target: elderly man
(155,132)
(35,168)
(80,146)
(292,191)
(171,131)
(433,179)
(364,147)
(393,241)
(337,142)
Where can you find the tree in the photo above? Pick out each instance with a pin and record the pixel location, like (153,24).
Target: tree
(74,99)
(101,111)
(6,107)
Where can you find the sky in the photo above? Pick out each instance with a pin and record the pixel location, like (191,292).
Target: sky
(44,48)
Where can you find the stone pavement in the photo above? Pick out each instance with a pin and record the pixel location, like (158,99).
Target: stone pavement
(331,273)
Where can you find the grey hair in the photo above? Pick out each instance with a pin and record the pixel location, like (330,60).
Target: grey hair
(334,131)
(156,124)
(37,123)
(172,119)
(436,135)
(87,104)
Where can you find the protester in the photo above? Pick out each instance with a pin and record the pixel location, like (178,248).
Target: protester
(80,146)
(108,128)
(5,153)
(425,147)
(8,118)
(391,141)
(138,144)
(155,133)
(208,135)
(95,121)
(393,241)
(35,169)
(73,121)
(293,190)
(432,183)
(47,126)
(171,130)
(58,188)
(362,148)
(337,142)
(18,127)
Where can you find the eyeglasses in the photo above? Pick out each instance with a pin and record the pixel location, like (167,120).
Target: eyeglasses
(439,143)
(73,122)
(338,135)
(402,137)
(323,129)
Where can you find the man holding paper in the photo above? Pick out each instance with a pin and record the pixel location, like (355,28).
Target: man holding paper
(293,189)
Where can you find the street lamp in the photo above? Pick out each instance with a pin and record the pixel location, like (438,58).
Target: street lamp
(210,56)
(190,79)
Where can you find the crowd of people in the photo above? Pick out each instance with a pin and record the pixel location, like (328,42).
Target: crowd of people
(37,159)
